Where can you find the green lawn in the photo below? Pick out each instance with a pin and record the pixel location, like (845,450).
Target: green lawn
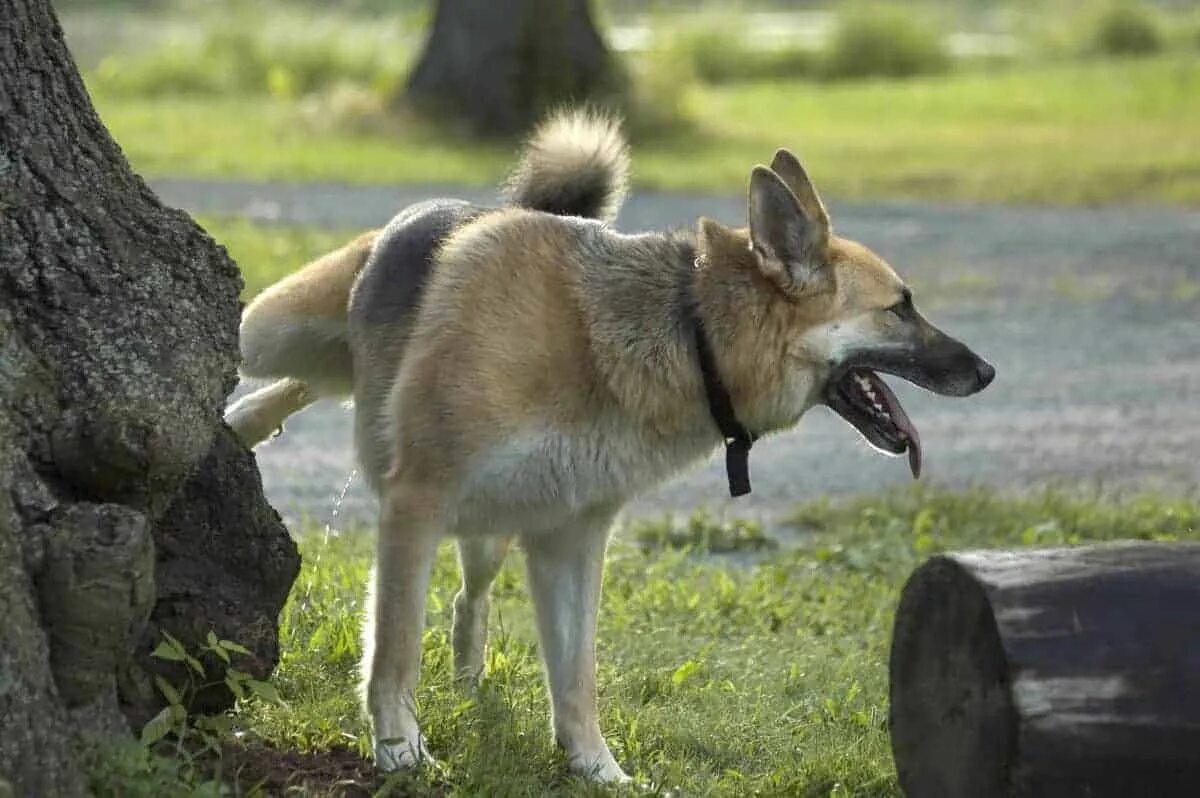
(762,674)
(266,253)
(1079,132)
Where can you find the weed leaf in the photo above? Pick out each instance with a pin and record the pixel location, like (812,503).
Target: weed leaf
(157,727)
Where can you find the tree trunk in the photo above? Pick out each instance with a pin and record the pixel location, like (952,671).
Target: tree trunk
(1057,672)
(126,507)
(498,64)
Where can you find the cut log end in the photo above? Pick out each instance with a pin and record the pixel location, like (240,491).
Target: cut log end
(951,713)
(1050,672)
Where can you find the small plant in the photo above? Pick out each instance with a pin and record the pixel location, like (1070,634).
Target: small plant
(178,752)
(884,41)
(1128,29)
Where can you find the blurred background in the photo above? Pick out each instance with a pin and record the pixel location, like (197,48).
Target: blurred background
(1025,100)
(1032,167)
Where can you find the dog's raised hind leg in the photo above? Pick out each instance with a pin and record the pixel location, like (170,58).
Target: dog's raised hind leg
(256,416)
(409,529)
(565,571)
(480,559)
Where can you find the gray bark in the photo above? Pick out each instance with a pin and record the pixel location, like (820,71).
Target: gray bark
(1053,672)
(125,505)
(499,64)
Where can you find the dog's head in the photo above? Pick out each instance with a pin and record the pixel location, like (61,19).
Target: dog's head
(811,318)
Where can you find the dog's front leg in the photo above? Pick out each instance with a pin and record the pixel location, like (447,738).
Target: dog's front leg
(409,530)
(565,570)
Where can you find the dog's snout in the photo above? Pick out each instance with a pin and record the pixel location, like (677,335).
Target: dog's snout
(984,373)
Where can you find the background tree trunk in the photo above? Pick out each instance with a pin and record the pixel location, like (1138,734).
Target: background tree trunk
(498,64)
(126,507)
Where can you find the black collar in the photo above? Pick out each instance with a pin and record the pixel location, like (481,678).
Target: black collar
(738,439)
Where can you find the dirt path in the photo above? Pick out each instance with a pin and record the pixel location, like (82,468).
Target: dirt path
(1092,318)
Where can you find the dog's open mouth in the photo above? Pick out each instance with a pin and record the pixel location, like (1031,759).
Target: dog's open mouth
(863,399)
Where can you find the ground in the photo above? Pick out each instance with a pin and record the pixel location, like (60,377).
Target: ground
(762,671)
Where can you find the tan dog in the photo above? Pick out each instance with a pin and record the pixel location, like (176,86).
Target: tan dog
(522,372)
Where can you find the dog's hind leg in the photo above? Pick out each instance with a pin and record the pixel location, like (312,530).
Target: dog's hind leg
(480,559)
(409,530)
(294,332)
(256,416)
(565,570)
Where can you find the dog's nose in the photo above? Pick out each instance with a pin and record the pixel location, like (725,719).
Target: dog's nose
(984,373)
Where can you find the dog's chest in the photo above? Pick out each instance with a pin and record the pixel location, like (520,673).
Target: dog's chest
(542,478)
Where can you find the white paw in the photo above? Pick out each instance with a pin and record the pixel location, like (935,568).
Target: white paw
(599,767)
(402,754)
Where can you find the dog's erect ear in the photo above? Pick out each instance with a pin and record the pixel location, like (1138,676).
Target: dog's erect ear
(788,167)
(788,242)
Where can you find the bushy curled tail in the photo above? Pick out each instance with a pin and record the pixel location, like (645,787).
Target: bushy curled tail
(576,163)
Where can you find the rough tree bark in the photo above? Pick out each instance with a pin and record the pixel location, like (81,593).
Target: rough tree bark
(498,64)
(126,507)
(1050,672)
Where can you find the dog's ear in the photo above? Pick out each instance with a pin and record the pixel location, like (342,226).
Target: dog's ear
(788,243)
(788,167)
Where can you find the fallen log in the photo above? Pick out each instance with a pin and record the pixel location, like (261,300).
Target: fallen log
(1052,672)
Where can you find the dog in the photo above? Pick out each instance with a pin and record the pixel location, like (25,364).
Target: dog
(522,371)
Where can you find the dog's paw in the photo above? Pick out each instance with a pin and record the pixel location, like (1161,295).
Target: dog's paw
(400,753)
(599,767)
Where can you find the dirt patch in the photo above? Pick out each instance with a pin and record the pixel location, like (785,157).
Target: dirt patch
(269,771)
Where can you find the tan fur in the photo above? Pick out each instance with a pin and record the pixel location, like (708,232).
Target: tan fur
(297,327)
(295,331)
(506,306)
(317,290)
(549,374)
(865,282)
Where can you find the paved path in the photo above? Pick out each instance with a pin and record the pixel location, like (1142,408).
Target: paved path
(1092,318)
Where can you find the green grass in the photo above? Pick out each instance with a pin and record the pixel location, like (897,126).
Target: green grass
(266,253)
(1075,134)
(715,678)
(1079,132)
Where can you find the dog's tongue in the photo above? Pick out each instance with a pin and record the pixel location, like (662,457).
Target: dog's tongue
(905,425)
(914,442)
